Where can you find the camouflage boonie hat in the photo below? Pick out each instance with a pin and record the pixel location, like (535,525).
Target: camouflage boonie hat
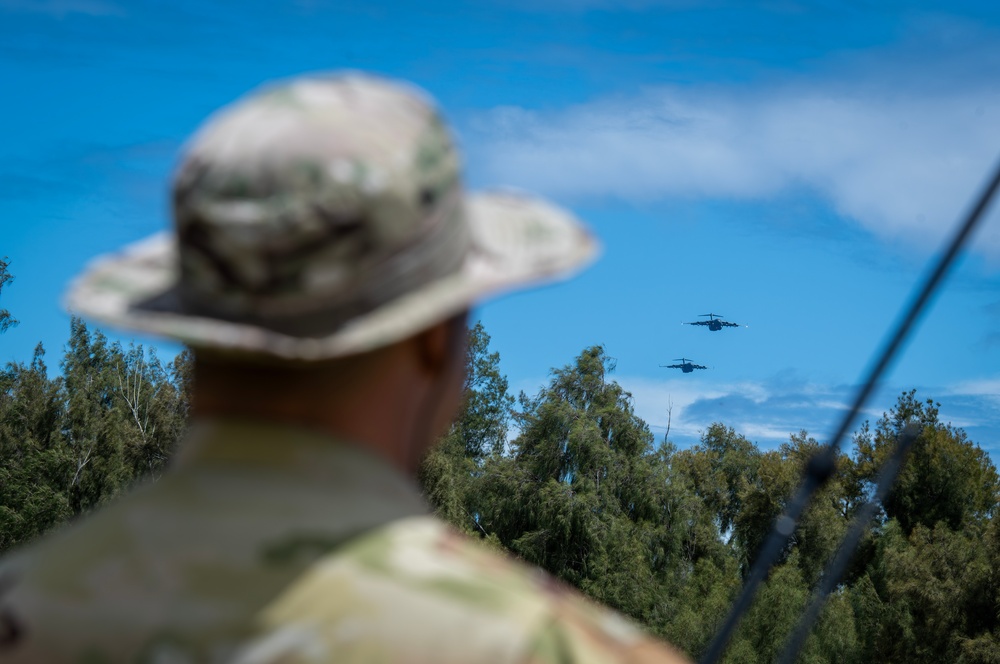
(321,217)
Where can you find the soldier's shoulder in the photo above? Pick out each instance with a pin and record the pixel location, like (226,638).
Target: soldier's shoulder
(417,587)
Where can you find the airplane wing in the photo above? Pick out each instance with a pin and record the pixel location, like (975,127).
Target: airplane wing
(728,324)
(698,366)
(700,322)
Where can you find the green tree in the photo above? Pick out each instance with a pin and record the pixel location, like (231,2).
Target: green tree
(450,471)
(92,433)
(929,591)
(736,484)
(6,319)
(75,442)
(946,478)
(484,419)
(585,495)
(929,597)
(33,495)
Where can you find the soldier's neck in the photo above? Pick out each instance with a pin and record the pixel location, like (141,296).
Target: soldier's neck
(376,410)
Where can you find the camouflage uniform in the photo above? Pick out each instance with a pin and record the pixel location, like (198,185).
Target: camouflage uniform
(316,219)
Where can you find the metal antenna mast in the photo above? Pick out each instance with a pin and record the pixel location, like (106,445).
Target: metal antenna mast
(821,466)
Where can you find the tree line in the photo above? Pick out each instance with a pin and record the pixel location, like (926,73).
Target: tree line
(74,442)
(572,481)
(665,535)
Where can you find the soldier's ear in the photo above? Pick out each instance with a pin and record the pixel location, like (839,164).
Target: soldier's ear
(442,346)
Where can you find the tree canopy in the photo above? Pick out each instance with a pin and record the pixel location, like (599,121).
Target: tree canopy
(74,442)
(571,480)
(584,491)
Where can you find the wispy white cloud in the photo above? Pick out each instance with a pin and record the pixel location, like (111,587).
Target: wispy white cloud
(769,411)
(765,432)
(988,388)
(63,8)
(901,162)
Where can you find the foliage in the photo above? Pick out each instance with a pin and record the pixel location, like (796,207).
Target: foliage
(666,535)
(946,478)
(6,319)
(578,486)
(74,442)
(451,468)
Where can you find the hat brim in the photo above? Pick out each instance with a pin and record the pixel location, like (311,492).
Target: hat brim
(516,241)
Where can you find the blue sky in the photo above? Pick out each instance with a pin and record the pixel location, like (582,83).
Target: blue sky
(792,165)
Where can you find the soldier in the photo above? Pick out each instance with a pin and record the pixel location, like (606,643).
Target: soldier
(324,259)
